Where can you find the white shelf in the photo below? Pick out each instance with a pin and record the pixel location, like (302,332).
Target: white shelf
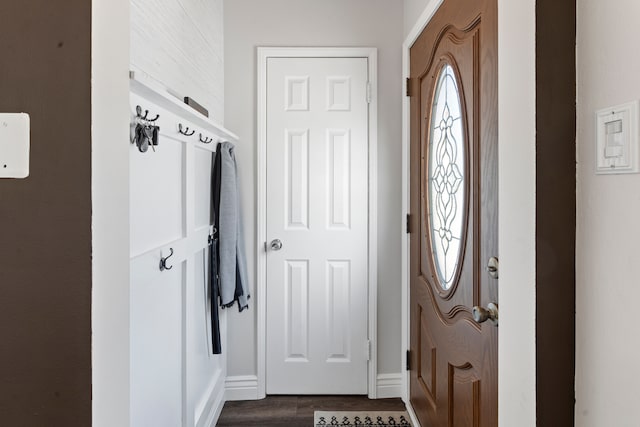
(147,88)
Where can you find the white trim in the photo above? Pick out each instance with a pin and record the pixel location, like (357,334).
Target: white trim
(294,52)
(373,220)
(389,385)
(143,85)
(110,292)
(425,17)
(413,35)
(208,412)
(261,208)
(517,212)
(412,415)
(241,387)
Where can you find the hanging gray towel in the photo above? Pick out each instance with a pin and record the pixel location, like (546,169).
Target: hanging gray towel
(233,265)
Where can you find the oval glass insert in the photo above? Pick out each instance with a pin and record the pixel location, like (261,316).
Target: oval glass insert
(446,177)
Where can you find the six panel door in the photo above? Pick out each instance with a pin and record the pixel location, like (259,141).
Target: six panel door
(317,185)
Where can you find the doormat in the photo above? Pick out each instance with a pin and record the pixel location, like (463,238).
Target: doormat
(355,418)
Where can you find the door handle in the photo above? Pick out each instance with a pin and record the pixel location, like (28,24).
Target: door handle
(481,314)
(276,245)
(492,267)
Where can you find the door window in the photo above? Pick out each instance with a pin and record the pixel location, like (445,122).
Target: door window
(446,177)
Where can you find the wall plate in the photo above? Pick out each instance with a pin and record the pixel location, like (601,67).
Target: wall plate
(14,145)
(617,134)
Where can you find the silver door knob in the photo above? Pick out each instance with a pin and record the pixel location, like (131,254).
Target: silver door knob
(276,245)
(481,314)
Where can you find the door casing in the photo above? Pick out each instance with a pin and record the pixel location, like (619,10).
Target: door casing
(263,53)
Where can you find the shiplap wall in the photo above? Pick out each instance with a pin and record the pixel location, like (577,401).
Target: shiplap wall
(179,43)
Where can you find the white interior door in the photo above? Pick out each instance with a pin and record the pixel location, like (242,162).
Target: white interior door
(317,198)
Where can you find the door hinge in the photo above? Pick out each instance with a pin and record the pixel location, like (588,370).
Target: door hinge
(408,361)
(367,349)
(408,226)
(408,86)
(368,92)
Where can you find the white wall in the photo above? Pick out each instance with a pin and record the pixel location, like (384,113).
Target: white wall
(110,221)
(607,372)
(412,11)
(370,23)
(517,207)
(180,44)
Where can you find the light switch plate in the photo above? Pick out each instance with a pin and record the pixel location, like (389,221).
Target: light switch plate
(14,145)
(617,134)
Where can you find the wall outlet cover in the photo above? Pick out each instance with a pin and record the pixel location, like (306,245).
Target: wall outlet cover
(617,135)
(14,145)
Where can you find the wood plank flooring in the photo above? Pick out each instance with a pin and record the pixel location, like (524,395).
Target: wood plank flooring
(297,411)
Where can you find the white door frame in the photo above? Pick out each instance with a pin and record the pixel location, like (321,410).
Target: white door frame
(516,228)
(316,52)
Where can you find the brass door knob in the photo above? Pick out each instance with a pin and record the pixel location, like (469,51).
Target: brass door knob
(481,314)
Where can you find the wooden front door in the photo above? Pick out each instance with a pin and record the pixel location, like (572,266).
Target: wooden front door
(454,217)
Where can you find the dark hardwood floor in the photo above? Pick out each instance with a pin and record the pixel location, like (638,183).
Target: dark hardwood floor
(297,411)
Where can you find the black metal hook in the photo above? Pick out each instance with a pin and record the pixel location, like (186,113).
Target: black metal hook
(145,132)
(163,261)
(144,119)
(185,132)
(206,140)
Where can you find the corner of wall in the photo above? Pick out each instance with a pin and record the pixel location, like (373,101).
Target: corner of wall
(110,221)
(517,207)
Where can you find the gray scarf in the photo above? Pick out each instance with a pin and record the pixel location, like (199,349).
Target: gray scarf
(233,264)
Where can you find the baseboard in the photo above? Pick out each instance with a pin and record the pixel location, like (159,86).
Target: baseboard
(412,414)
(245,387)
(209,412)
(241,387)
(388,385)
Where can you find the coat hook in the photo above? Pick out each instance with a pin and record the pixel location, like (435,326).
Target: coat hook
(144,119)
(163,261)
(206,140)
(185,132)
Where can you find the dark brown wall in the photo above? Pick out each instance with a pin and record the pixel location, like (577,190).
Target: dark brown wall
(45,220)
(556,211)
